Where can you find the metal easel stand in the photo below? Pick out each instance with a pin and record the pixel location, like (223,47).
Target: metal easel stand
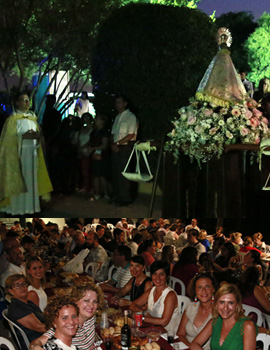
(154,188)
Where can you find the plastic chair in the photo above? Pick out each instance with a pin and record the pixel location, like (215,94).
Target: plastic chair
(250,311)
(110,226)
(183,301)
(266,320)
(7,343)
(13,326)
(265,339)
(111,271)
(92,268)
(174,281)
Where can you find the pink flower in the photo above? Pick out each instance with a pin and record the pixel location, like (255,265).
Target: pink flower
(208,112)
(254,122)
(236,112)
(265,120)
(251,103)
(244,131)
(248,114)
(256,113)
(191,120)
(257,140)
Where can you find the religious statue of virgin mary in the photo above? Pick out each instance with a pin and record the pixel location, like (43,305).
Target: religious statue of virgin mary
(221,113)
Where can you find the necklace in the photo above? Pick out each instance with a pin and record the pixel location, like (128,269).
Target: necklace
(139,283)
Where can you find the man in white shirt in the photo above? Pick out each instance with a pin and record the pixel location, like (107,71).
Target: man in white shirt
(124,130)
(16,265)
(193,225)
(97,252)
(192,237)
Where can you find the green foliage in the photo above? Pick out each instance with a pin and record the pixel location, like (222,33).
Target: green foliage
(257,47)
(187,3)
(241,26)
(42,36)
(156,55)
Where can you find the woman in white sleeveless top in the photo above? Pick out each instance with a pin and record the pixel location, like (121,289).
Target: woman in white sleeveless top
(198,313)
(35,274)
(159,304)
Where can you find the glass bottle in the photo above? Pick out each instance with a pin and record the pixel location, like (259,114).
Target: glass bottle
(125,333)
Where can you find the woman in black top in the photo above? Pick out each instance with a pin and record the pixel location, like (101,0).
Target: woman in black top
(138,284)
(24,312)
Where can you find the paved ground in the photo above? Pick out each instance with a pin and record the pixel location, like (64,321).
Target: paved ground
(79,205)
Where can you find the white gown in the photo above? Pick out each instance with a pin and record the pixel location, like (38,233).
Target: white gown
(26,203)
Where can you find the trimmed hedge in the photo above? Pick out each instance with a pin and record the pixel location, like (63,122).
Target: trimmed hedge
(156,55)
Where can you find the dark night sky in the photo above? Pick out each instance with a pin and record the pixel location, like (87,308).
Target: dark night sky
(257,7)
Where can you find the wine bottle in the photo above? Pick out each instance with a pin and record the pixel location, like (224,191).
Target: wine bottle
(125,333)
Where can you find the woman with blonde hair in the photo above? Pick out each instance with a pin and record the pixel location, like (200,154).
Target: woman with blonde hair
(236,240)
(203,239)
(229,329)
(35,273)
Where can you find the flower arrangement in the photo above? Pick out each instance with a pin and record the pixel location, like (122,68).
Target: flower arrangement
(203,128)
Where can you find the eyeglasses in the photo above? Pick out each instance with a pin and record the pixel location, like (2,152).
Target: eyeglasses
(24,100)
(20,285)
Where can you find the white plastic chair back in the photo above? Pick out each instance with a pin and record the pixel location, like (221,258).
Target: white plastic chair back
(249,310)
(266,320)
(92,268)
(265,339)
(13,326)
(183,301)
(111,271)
(7,343)
(110,227)
(174,281)
(94,226)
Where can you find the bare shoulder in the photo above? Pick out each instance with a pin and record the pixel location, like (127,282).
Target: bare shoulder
(249,326)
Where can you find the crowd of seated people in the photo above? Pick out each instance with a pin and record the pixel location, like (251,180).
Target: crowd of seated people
(142,263)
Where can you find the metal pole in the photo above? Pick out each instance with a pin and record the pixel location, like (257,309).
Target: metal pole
(154,188)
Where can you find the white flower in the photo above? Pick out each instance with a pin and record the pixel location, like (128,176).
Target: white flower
(221,122)
(229,135)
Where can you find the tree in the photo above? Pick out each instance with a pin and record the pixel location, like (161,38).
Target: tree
(257,46)
(187,3)
(241,25)
(156,55)
(39,36)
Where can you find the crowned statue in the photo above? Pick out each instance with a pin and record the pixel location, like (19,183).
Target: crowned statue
(221,83)
(221,113)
